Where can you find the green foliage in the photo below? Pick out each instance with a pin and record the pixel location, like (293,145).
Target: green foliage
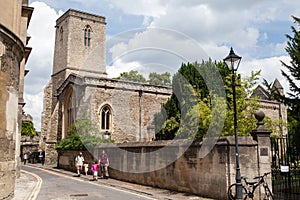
(294,135)
(192,117)
(28,129)
(293,49)
(196,122)
(170,127)
(82,135)
(189,89)
(72,142)
(292,75)
(133,75)
(154,78)
(159,79)
(83,126)
(246,106)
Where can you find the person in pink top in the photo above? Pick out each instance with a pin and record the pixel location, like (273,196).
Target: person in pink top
(95,168)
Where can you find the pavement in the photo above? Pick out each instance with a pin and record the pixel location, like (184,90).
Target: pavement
(27,186)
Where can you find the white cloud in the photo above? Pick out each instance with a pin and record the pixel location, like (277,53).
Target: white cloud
(176,31)
(118,67)
(216,26)
(153,8)
(34,105)
(278,49)
(270,69)
(158,46)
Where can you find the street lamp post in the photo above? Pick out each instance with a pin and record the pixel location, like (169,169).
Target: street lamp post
(233,62)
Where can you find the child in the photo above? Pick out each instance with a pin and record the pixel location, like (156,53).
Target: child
(95,168)
(86,168)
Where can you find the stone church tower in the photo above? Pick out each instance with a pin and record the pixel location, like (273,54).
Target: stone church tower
(79,86)
(79,45)
(80,50)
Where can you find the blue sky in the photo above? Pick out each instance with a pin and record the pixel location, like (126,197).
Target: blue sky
(176,30)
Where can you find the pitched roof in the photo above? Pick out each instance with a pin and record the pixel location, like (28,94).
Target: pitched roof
(261,93)
(277,84)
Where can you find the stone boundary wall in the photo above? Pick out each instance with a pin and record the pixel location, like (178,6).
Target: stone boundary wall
(209,176)
(66,160)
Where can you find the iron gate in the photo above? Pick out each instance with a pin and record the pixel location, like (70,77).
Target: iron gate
(285,169)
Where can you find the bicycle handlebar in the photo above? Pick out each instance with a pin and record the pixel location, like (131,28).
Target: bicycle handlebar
(265,174)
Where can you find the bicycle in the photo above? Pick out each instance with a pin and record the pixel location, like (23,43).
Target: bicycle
(250,187)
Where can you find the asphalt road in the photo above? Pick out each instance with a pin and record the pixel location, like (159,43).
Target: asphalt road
(60,186)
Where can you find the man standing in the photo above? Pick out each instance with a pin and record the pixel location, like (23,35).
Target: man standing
(79,163)
(42,157)
(104,163)
(25,157)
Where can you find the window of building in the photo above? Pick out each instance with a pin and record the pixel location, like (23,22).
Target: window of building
(61,33)
(68,111)
(106,118)
(87,36)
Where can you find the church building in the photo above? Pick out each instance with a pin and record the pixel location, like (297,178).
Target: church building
(272,108)
(79,87)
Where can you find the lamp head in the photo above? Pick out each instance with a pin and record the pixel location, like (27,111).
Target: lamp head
(232,60)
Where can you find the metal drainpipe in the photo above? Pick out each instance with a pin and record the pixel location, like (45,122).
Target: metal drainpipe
(140,114)
(280,119)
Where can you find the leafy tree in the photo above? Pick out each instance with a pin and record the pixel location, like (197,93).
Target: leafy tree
(292,75)
(82,135)
(71,142)
(170,127)
(133,75)
(28,129)
(200,114)
(154,78)
(189,87)
(246,106)
(159,79)
(196,122)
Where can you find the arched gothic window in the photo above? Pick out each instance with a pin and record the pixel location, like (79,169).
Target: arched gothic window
(87,36)
(106,118)
(68,111)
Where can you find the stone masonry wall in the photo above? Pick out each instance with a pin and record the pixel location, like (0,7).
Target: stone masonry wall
(275,111)
(209,176)
(11,54)
(133,107)
(49,126)
(70,52)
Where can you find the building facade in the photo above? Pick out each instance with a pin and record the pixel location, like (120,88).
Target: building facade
(272,108)
(15,16)
(79,86)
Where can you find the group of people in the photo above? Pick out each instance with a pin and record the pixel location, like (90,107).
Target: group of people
(101,164)
(40,157)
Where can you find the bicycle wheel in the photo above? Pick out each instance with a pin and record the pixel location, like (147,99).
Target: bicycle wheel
(268,194)
(232,191)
